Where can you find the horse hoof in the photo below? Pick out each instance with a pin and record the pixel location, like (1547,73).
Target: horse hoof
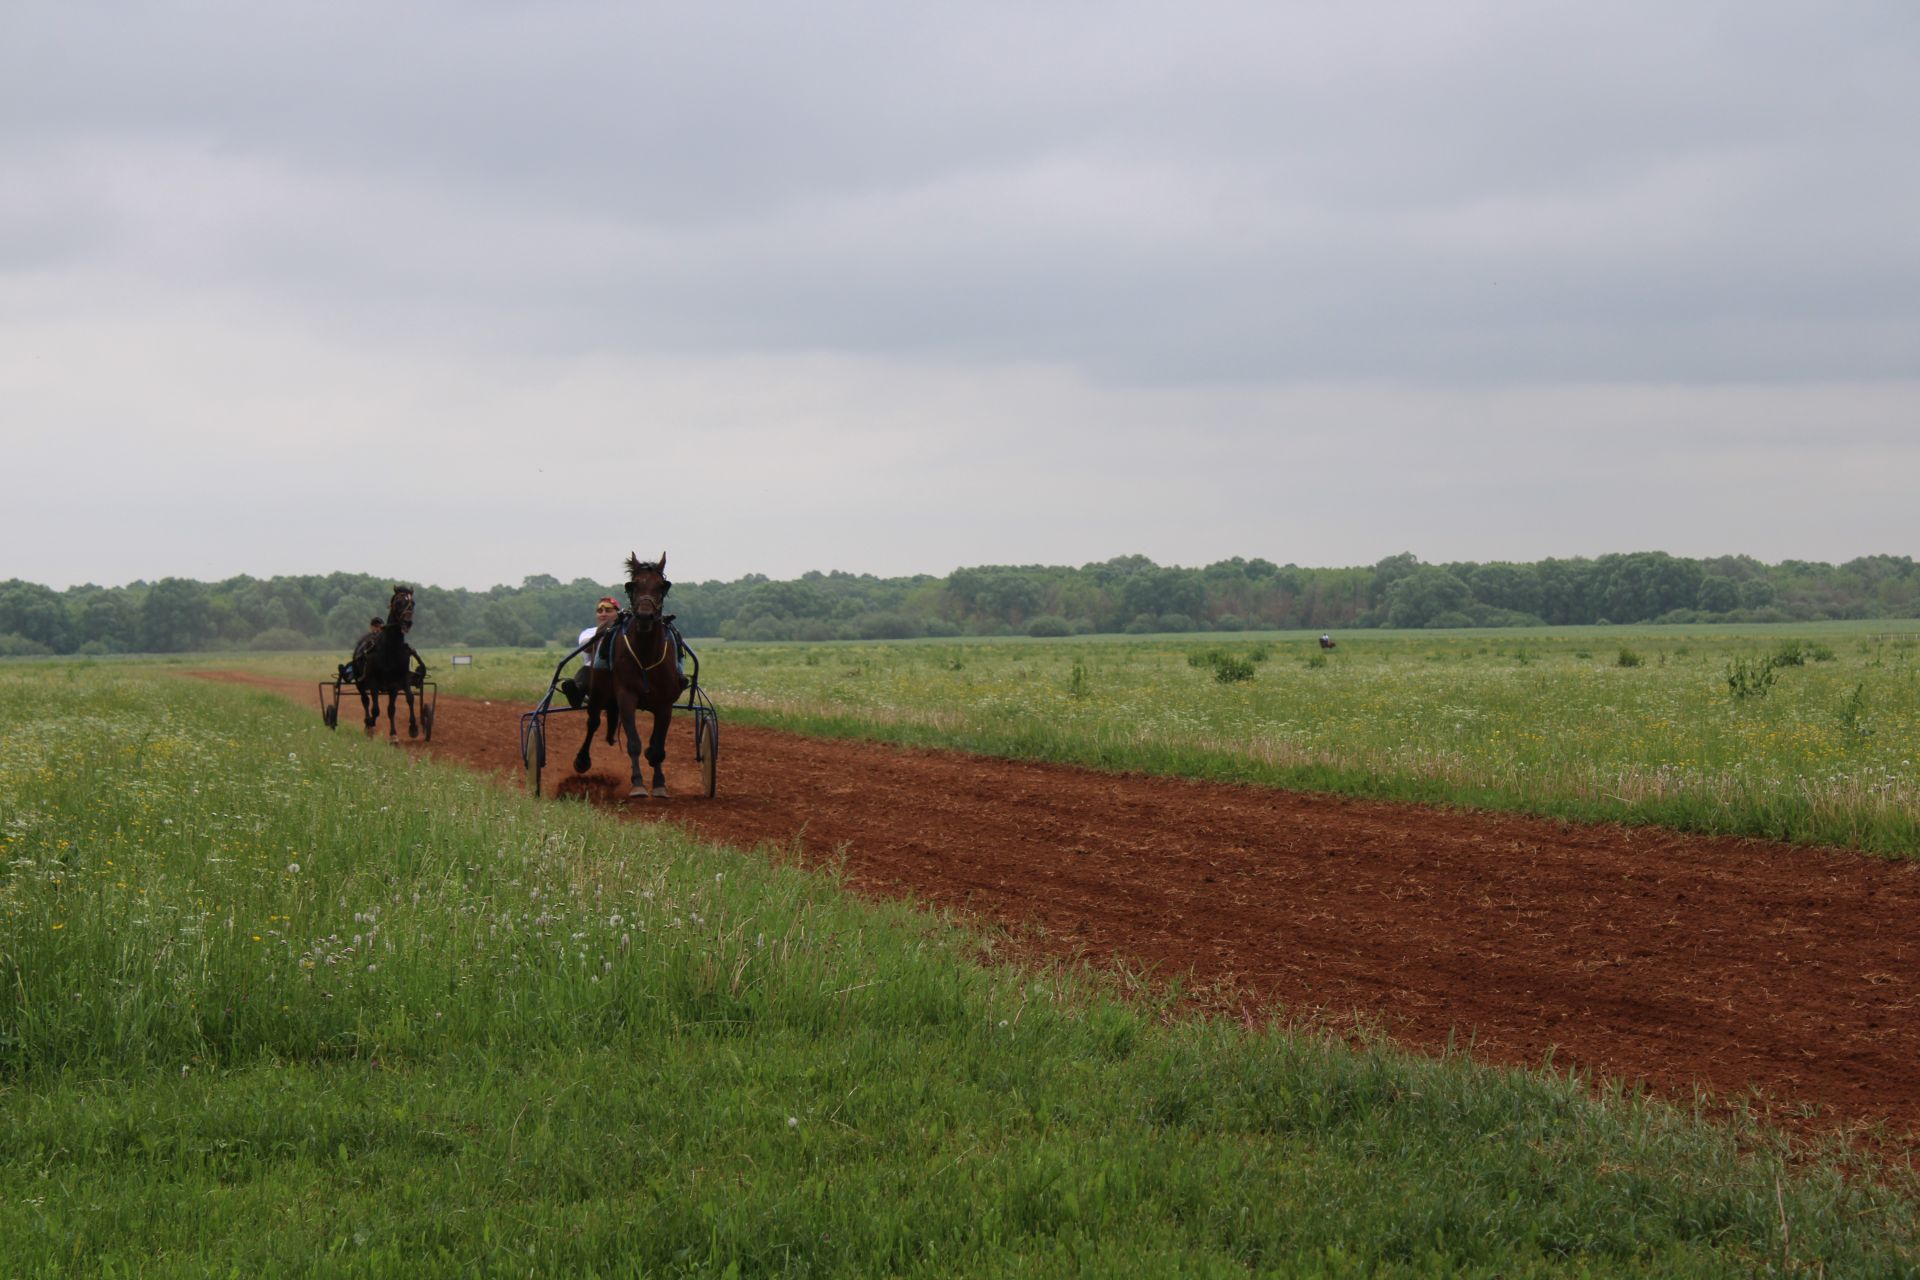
(639,793)
(581,764)
(413,731)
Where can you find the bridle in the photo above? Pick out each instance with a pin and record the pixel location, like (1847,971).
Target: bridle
(642,588)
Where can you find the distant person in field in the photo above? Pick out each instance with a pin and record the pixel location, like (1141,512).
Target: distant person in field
(1326,641)
(575,686)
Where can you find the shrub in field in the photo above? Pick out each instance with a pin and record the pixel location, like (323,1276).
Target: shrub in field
(1789,653)
(1077,686)
(1227,668)
(1853,710)
(1628,658)
(1751,677)
(1049,626)
(1232,670)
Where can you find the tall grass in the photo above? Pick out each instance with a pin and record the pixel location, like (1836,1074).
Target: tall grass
(1823,746)
(279,1001)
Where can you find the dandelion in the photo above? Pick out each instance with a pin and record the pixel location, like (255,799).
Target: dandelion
(293,868)
(793,1122)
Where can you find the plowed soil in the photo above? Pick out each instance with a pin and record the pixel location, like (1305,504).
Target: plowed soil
(1772,975)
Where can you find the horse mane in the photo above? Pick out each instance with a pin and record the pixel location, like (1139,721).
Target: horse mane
(635,566)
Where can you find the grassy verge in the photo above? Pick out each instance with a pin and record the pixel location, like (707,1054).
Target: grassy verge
(1808,734)
(277,1002)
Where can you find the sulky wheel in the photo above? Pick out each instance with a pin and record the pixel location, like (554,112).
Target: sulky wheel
(534,754)
(707,748)
(331,715)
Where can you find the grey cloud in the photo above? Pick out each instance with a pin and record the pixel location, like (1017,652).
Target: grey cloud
(942,283)
(1242,192)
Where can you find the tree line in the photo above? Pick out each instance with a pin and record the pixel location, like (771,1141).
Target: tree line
(1128,594)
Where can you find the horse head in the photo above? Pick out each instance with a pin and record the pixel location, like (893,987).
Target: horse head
(400,607)
(647,588)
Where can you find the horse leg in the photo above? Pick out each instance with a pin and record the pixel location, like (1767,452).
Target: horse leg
(393,726)
(369,707)
(413,727)
(640,787)
(657,749)
(583,758)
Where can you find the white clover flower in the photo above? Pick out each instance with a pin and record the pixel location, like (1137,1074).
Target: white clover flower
(793,1122)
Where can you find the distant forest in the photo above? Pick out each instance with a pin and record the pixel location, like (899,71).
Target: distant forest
(1130,594)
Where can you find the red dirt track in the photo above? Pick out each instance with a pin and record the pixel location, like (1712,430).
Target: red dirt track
(1751,970)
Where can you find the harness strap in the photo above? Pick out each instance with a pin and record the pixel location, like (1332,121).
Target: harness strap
(666,651)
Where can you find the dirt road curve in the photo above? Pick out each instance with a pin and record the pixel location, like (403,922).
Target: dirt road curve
(1678,961)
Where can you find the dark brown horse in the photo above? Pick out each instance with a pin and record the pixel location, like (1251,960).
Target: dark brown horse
(643,675)
(387,666)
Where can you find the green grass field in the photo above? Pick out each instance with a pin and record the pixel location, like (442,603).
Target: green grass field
(278,1001)
(1636,725)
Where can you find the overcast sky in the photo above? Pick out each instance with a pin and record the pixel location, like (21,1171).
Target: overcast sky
(466,291)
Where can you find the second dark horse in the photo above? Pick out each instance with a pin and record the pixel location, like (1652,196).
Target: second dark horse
(642,675)
(387,666)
